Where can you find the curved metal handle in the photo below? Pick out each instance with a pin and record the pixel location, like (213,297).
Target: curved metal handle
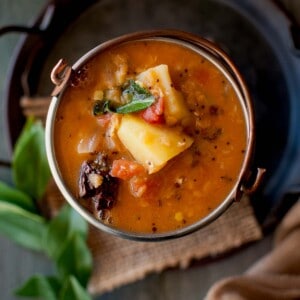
(60,75)
(249,190)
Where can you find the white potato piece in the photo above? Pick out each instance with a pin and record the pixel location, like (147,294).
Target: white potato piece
(151,145)
(159,79)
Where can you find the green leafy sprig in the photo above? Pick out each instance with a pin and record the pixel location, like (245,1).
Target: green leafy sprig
(137,98)
(62,239)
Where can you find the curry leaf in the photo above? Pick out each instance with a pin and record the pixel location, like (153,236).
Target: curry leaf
(134,92)
(14,196)
(75,259)
(41,287)
(135,106)
(72,290)
(23,227)
(61,228)
(30,166)
(138,98)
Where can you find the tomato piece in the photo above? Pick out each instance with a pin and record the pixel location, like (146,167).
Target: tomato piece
(155,113)
(126,169)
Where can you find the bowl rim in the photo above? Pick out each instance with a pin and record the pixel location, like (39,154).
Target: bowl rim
(222,61)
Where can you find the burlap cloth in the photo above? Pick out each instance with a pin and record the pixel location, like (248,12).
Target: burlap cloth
(276,276)
(118,261)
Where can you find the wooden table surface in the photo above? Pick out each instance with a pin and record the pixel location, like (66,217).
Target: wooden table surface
(18,264)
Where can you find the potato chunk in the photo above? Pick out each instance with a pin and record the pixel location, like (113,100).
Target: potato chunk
(160,81)
(151,145)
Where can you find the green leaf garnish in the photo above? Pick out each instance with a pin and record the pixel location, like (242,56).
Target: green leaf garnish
(72,290)
(11,195)
(41,287)
(61,228)
(31,172)
(135,105)
(75,259)
(65,242)
(137,98)
(23,227)
(133,91)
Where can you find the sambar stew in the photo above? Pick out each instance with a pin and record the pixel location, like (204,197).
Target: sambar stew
(150,136)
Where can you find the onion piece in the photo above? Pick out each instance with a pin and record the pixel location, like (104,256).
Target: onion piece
(89,144)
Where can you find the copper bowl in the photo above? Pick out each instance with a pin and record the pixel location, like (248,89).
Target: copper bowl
(61,75)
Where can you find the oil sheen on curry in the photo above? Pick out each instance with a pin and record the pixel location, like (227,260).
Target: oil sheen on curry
(150,136)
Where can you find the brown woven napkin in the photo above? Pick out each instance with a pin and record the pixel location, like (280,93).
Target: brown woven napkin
(118,261)
(276,276)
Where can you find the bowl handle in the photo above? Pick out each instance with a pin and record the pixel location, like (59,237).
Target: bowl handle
(60,76)
(255,184)
(250,188)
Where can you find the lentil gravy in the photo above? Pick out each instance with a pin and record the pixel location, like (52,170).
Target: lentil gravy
(159,168)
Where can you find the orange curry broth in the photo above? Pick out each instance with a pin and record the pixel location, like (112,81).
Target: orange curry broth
(207,171)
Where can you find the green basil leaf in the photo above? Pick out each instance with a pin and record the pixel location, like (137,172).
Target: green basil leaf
(135,106)
(41,287)
(30,166)
(61,228)
(75,259)
(72,290)
(138,98)
(14,196)
(135,92)
(23,227)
